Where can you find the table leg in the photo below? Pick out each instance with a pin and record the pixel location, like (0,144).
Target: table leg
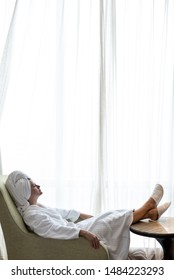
(167,244)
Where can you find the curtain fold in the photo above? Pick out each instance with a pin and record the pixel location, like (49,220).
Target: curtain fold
(7,26)
(7,12)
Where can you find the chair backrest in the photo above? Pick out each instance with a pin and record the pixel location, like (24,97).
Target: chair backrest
(13,227)
(11,206)
(22,244)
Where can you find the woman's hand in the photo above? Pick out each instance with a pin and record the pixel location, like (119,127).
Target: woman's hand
(92,238)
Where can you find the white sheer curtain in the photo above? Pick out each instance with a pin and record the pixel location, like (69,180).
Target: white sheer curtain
(138,137)
(89,100)
(50,119)
(6,18)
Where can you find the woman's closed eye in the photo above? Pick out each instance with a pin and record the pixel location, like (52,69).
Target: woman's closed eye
(35,186)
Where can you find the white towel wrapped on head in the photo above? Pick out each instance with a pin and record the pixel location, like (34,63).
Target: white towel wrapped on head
(19,187)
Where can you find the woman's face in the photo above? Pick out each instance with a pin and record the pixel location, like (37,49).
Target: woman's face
(35,189)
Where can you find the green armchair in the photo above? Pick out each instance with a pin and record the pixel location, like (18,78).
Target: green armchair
(21,244)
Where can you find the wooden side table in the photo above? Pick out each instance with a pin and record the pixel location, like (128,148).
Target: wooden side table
(162,230)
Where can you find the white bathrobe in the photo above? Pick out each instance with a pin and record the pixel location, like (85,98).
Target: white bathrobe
(112,228)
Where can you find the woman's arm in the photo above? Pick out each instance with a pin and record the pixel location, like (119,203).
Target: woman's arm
(84,216)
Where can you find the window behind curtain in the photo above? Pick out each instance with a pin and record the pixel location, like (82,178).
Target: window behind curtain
(88,110)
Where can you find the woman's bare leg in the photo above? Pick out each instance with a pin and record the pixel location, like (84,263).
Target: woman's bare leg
(148,210)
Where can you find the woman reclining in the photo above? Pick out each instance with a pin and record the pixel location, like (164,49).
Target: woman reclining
(111,228)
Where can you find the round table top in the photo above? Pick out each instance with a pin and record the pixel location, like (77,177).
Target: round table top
(164,227)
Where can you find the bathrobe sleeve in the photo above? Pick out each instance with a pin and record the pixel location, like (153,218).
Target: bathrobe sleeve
(71,214)
(43,225)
